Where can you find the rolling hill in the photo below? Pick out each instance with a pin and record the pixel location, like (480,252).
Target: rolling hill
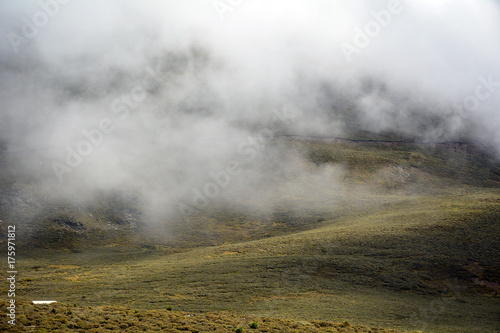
(405,236)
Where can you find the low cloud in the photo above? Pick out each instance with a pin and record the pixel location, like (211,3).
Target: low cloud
(155,98)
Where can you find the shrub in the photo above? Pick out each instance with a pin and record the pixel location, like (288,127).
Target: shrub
(254,325)
(169,308)
(72,325)
(239,330)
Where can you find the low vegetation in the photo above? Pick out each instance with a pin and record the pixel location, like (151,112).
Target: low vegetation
(68,318)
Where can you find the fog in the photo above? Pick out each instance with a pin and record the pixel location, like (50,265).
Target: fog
(170,99)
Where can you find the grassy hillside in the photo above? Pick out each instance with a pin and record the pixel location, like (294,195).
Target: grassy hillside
(410,243)
(379,269)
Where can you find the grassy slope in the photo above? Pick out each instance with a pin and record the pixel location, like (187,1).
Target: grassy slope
(378,270)
(418,251)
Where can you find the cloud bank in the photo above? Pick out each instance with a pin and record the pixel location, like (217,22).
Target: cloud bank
(165,97)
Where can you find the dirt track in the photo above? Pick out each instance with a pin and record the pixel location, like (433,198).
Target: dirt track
(463,147)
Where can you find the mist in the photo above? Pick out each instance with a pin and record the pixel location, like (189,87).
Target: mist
(179,101)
